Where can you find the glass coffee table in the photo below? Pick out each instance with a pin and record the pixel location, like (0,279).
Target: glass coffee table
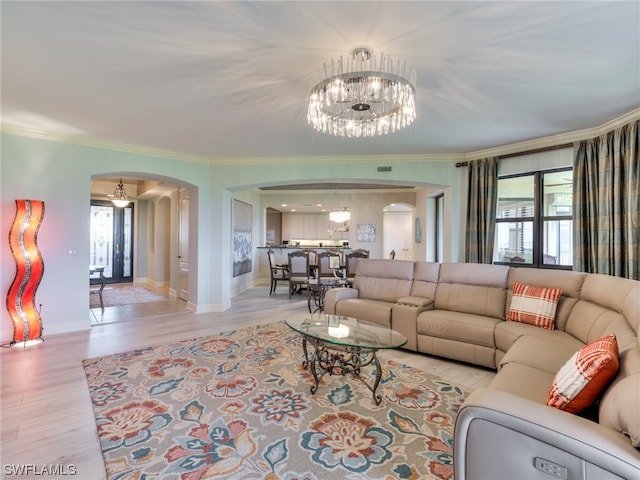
(343,345)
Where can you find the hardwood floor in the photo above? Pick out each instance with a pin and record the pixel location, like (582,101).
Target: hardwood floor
(46,413)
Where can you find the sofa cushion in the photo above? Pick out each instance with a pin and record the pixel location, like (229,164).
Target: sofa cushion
(620,404)
(385,280)
(526,351)
(534,305)
(570,283)
(425,279)
(508,333)
(523,381)
(631,307)
(607,305)
(589,322)
(457,350)
(366,309)
(472,288)
(465,327)
(585,375)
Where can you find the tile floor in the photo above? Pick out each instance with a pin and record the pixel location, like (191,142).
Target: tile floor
(122,313)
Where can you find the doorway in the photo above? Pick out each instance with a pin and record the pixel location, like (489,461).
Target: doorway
(398,232)
(111,241)
(183,246)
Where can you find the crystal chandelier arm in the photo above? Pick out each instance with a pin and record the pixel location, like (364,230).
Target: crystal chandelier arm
(340,114)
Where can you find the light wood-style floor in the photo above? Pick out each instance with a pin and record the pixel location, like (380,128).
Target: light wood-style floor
(46,413)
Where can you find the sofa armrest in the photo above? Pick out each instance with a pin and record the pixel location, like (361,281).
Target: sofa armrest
(404,318)
(334,295)
(500,435)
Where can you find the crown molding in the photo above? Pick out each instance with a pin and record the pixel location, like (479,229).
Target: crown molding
(514,148)
(554,140)
(103,144)
(222,161)
(417,158)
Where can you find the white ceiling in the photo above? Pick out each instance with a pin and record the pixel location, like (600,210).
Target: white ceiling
(231,79)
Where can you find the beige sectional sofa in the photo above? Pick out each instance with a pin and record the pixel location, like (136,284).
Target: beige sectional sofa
(459,311)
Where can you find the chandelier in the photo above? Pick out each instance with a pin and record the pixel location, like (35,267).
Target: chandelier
(340,216)
(364,96)
(120,197)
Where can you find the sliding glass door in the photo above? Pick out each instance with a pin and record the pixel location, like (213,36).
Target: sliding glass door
(111,240)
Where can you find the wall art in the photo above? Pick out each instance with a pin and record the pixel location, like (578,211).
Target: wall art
(242,243)
(367,232)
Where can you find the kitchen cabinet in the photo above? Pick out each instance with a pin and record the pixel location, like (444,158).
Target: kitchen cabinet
(297,227)
(322,225)
(310,226)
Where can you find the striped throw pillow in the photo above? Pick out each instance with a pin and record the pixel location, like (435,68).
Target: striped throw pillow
(534,305)
(585,375)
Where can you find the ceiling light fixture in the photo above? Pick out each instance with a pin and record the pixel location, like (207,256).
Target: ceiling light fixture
(363,97)
(120,197)
(340,216)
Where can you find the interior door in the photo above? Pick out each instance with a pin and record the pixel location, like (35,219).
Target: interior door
(398,235)
(111,238)
(183,246)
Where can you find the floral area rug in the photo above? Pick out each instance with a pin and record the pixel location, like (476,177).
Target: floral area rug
(238,406)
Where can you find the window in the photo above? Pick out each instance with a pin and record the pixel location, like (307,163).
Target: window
(534,221)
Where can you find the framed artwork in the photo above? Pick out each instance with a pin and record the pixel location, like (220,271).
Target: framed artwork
(366,232)
(418,230)
(241,216)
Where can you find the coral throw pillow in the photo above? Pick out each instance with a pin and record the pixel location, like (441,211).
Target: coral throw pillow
(585,375)
(534,305)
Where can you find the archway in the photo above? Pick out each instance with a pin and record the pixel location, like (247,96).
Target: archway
(158,230)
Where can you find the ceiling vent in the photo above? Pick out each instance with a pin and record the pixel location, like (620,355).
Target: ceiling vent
(384,169)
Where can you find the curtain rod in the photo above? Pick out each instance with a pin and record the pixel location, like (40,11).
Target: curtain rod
(535,150)
(526,152)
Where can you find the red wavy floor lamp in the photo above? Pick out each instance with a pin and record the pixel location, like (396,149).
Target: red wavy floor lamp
(21,299)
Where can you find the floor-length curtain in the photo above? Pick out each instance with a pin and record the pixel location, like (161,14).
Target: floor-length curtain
(606,203)
(481,210)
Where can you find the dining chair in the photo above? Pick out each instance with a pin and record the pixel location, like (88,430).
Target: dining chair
(98,291)
(313,256)
(299,271)
(338,253)
(340,272)
(278,272)
(351,260)
(325,265)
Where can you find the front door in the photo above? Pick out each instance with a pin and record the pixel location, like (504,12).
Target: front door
(111,240)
